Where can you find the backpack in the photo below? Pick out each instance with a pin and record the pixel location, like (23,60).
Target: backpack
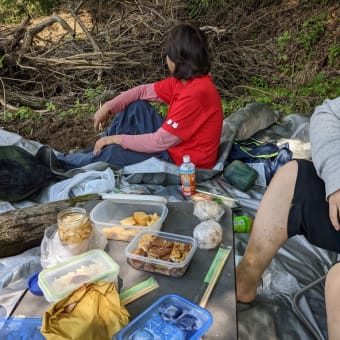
(268,153)
(21,174)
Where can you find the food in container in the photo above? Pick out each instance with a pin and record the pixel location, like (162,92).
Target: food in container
(160,252)
(59,280)
(122,219)
(74,225)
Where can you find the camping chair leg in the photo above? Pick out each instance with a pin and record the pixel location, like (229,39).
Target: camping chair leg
(304,318)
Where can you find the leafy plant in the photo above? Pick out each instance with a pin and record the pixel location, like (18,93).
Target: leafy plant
(259,82)
(12,11)
(283,40)
(92,93)
(162,109)
(79,110)
(334,54)
(312,30)
(50,106)
(24,112)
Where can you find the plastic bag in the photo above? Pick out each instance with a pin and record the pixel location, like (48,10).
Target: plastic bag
(208,210)
(208,234)
(54,251)
(92,311)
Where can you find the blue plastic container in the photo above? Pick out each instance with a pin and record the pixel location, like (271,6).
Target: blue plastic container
(171,317)
(21,328)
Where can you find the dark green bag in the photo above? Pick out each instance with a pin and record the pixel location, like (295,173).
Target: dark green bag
(240,175)
(21,174)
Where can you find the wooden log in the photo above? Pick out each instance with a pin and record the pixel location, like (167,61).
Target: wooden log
(23,228)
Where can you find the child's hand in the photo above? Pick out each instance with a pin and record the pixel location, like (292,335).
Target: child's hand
(102,142)
(101,118)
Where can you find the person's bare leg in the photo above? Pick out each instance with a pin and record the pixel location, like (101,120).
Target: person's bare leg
(332,298)
(269,231)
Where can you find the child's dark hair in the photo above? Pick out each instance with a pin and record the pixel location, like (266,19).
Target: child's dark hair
(187,46)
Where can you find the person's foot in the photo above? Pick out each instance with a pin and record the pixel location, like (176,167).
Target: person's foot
(246,285)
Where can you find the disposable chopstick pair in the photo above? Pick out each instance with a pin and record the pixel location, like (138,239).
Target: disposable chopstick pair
(140,289)
(213,275)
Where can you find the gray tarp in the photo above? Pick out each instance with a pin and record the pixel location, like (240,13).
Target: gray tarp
(296,265)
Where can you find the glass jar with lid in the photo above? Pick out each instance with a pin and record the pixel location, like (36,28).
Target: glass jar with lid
(74,225)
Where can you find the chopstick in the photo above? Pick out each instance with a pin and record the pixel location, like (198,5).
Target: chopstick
(138,290)
(214,273)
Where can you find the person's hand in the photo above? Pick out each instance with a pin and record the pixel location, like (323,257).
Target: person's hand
(114,139)
(334,209)
(101,118)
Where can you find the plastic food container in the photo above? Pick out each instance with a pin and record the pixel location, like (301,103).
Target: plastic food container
(160,252)
(171,317)
(21,328)
(59,280)
(115,217)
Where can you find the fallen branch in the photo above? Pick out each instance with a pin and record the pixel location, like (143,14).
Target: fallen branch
(87,33)
(22,229)
(35,30)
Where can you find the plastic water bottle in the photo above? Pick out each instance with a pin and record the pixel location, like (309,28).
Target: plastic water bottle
(188,176)
(242,224)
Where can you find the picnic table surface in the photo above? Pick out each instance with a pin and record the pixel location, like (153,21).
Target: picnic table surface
(180,220)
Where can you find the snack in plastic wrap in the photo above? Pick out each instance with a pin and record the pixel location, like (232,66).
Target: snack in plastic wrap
(208,234)
(208,210)
(53,250)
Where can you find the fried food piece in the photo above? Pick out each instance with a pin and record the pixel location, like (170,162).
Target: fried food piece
(137,263)
(179,251)
(141,218)
(153,218)
(119,233)
(146,241)
(160,249)
(128,221)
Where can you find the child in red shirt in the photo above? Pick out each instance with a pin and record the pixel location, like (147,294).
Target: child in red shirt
(192,125)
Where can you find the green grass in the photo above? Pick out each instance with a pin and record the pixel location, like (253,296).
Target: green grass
(302,99)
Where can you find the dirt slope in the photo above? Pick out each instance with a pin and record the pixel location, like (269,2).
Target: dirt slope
(58,67)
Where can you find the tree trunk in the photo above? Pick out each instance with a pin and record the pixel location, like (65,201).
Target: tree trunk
(22,229)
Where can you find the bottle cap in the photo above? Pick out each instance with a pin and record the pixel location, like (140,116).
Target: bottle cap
(186,158)
(242,224)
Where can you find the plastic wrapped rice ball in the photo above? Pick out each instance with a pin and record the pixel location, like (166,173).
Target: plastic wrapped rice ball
(208,234)
(208,210)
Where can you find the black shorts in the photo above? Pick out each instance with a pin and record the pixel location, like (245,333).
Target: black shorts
(309,213)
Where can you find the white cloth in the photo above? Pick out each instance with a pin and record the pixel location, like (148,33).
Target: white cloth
(90,182)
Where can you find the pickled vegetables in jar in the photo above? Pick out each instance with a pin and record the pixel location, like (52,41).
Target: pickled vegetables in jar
(74,225)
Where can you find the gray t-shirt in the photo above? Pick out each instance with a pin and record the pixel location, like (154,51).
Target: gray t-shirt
(325,143)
